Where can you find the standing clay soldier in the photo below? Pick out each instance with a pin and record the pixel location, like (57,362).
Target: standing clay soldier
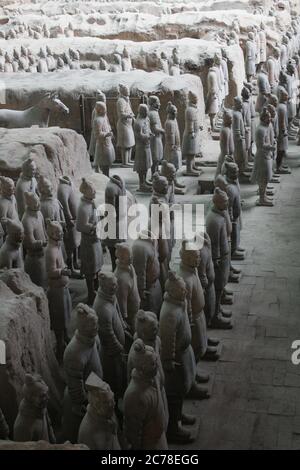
(253,119)
(216,227)
(11,255)
(16,59)
(147,268)
(32,65)
(250,58)
(191,135)
(115,196)
(263,43)
(172,150)
(98,429)
(117,64)
(177,356)
(8,204)
(143,158)
(190,259)
(234,208)
(8,68)
(161,223)
(26,183)
(24,59)
(111,332)
(50,205)
(212,101)
(68,201)
(60,304)
(90,247)
(104,151)
(103,65)
(224,66)
(33,422)
(127,294)
(81,357)
(264,89)
(238,130)
(157,132)
(246,112)
(206,275)
(144,418)
(272,73)
(262,171)
(175,67)
(282,141)
(284,56)
(35,240)
(51,62)
(124,125)
(226,140)
(126,61)
(164,64)
(42,63)
(99,97)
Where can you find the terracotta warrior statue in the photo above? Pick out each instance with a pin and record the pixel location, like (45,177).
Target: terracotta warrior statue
(212,101)
(143,157)
(216,227)
(263,43)
(90,246)
(190,259)
(161,223)
(246,112)
(264,89)
(164,64)
(206,273)
(249,86)
(26,183)
(35,240)
(250,59)
(226,140)
(262,171)
(146,264)
(177,356)
(16,59)
(8,68)
(81,357)
(115,197)
(42,62)
(50,205)
(157,132)
(112,333)
(33,422)
(282,141)
(99,427)
(239,135)
(224,65)
(68,200)
(8,203)
(59,299)
(99,97)
(124,125)
(11,254)
(234,208)
(126,61)
(127,294)
(172,150)
(103,65)
(273,77)
(144,416)
(191,136)
(117,64)
(104,151)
